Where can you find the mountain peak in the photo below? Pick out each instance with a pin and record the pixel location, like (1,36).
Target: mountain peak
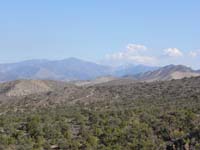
(72,59)
(76,69)
(178,67)
(169,72)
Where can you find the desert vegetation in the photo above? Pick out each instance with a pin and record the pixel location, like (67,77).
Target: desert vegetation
(165,117)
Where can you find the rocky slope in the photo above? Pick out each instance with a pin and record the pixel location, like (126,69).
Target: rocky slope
(168,73)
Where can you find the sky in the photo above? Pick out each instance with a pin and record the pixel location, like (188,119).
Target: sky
(149,32)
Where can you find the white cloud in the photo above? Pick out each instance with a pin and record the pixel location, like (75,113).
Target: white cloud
(194,53)
(135,47)
(140,54)
(132,54)
(173,52)
(143,59)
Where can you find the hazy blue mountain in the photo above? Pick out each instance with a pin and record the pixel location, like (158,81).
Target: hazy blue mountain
(67,69)
(77,69)
(129,70)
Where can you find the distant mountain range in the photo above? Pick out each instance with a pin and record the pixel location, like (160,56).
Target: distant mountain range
(133,70)
(168,73)
(75,69)
(67,69)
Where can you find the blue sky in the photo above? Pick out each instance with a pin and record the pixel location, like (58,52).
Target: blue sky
(151,32)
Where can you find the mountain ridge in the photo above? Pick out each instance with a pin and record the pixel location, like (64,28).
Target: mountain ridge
(168,72)
(64,70)
(74,69)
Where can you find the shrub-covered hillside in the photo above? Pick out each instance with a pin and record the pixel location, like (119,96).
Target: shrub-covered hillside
(136,116)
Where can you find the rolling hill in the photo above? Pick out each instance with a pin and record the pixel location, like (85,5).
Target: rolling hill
(43,92)
(52,114)
(168,73)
